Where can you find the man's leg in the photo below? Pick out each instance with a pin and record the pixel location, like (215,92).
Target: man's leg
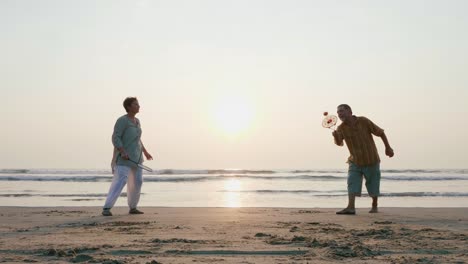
(374,205)
(351,201)
(354,188)
(351,208)
(372,175)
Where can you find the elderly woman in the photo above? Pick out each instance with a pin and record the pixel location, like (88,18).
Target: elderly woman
(128,150)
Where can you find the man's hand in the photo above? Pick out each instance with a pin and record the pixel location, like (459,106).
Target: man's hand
(389,152)
(338,137)
(335,134)
(148,156)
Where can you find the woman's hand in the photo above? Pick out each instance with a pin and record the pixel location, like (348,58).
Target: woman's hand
(148,156)
(123,154)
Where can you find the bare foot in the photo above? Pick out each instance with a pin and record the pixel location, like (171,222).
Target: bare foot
(374,210)
(347,211)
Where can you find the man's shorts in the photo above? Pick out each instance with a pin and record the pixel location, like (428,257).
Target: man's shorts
(371,174)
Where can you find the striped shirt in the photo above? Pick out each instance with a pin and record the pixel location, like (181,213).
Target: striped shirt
(359,141)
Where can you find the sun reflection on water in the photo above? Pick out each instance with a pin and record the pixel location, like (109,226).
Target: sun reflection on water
(232,194)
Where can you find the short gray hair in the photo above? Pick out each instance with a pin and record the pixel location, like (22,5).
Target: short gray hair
(128,102)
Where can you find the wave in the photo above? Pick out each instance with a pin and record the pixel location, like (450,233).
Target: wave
(166,178)
(53,171)
(457,171)
(340,192)
(233,171)
(58,195)
(344,193)
(409,194)
(426,194)
(14,171)
(315,193)
(318,171)
(57,178)
(425,178)
(200,178)
(155,172)
(221,171)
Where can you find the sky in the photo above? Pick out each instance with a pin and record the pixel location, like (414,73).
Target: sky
(232,84)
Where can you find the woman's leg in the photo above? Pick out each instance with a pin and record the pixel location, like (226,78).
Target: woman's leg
(118,182)
(134,184)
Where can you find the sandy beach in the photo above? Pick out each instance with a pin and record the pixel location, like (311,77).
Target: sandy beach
(233,235)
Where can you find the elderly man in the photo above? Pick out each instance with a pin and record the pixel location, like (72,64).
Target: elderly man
(364,160)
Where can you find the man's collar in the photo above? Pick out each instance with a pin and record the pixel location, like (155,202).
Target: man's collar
(354,121)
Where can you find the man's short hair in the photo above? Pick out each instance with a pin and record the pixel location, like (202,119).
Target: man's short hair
(128,102)
(345,106)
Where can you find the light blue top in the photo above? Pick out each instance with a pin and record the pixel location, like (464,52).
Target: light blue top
(128,135)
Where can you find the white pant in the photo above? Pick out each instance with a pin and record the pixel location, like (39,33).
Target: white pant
(135,180)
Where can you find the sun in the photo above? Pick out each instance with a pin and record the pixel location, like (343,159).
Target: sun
(233,115)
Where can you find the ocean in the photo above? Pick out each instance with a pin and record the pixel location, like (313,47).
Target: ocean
(234,188)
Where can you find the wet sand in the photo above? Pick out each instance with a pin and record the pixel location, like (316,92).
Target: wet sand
(233,235)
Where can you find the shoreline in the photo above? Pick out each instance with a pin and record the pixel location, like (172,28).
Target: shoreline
(233,235)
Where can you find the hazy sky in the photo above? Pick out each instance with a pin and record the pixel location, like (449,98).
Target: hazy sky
(232,84)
